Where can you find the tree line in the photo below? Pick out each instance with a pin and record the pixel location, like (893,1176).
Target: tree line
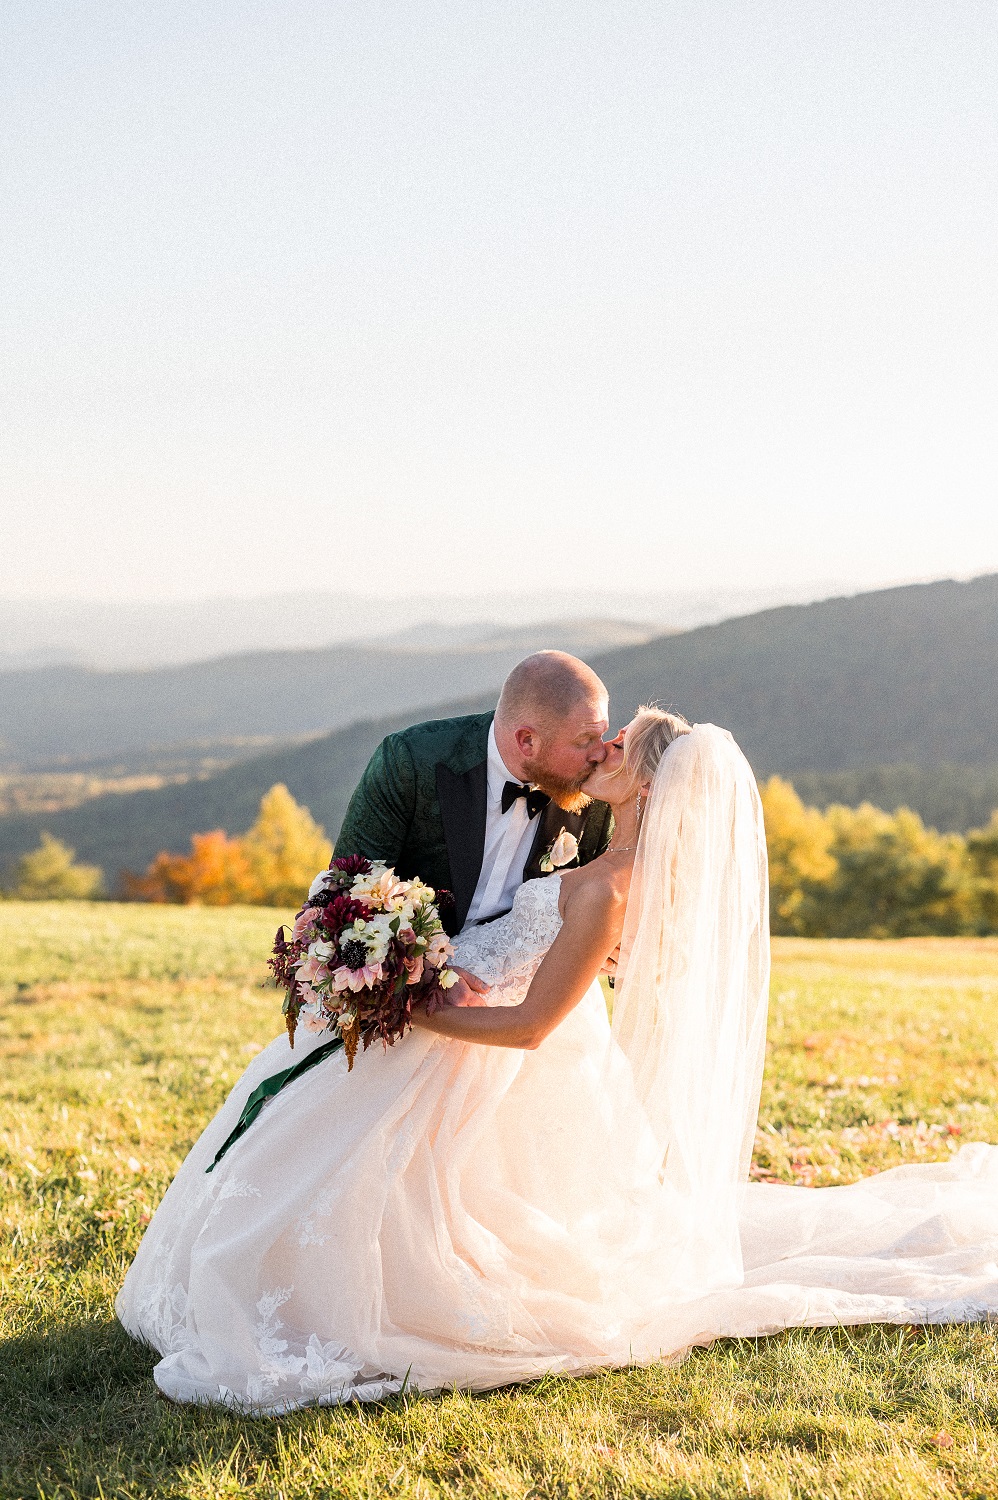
(861,872)
(843,872)
(271,865)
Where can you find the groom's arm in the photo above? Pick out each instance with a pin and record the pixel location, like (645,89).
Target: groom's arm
(380,811)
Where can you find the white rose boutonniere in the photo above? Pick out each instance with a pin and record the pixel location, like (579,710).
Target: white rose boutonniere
(564,849)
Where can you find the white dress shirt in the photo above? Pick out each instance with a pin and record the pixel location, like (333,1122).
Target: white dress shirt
(509,837)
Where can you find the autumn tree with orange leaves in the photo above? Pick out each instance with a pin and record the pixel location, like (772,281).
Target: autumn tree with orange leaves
(271,865)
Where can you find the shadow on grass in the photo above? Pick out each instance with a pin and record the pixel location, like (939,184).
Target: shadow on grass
(79,1416)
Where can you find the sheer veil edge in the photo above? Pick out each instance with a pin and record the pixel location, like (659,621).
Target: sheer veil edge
(691,1001)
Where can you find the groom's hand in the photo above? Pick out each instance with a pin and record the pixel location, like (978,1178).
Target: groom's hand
(610,967)
(469,989)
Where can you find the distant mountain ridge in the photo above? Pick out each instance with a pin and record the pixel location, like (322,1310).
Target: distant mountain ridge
(60,715)
(906,674)
(115,635)
(129,830)
(902,675)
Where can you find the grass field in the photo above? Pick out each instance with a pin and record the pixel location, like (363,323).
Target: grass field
(120,1040)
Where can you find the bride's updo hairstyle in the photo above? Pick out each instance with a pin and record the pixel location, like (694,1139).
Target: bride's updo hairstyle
(651,732)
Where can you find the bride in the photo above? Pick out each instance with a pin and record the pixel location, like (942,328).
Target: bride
(572,1194)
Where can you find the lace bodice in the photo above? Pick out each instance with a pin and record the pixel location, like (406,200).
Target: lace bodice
(506,953)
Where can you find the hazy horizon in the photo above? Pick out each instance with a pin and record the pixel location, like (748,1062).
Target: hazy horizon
(112,635)
(116,634)
(473,601)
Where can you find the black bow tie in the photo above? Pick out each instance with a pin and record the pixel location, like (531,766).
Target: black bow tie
(534,799)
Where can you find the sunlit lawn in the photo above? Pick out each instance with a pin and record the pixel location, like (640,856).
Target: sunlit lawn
(121,1030)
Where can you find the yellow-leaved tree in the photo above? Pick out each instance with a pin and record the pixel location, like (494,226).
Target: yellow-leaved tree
(284,850)
(272,865)
(895,877)
(798,840)
(50,873)
(982,849)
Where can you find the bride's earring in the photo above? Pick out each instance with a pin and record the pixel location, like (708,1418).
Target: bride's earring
(638,807)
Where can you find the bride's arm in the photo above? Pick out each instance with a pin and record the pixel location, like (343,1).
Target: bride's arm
(590,931)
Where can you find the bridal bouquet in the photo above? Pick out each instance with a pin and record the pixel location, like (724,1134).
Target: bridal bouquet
(364,947)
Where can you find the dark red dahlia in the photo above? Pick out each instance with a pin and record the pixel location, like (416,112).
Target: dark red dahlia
(341,912)
(351,864)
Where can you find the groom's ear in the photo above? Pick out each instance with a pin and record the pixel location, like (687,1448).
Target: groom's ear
(527,740)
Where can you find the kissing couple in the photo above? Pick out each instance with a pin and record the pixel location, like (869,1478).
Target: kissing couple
(521,1186)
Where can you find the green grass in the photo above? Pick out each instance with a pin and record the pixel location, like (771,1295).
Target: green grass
(118,1043)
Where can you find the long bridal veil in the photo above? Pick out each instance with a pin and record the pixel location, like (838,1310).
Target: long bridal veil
(916,1244)
(690,1003)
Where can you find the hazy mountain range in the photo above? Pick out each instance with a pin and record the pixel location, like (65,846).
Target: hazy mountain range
(846,687)
(170,718)
(111,635)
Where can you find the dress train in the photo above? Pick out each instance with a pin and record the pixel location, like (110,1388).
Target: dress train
(455,1215)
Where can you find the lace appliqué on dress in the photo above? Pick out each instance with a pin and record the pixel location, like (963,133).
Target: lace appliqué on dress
(507,953)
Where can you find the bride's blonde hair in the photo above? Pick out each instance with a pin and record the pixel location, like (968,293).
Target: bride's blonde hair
(651,732)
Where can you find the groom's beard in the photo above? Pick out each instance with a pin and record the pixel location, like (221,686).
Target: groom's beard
(568,795)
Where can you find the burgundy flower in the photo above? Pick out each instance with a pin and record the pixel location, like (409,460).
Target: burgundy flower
(351,864)
(380,1008)
(341,912)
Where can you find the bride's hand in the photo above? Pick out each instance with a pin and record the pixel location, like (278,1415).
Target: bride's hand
(469,990)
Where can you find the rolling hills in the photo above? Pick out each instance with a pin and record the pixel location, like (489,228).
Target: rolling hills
(900,675)
(854,685)
(236,706)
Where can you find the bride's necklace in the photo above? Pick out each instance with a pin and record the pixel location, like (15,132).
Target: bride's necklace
(626,848)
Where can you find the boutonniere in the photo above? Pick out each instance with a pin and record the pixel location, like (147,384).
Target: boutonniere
(564,849)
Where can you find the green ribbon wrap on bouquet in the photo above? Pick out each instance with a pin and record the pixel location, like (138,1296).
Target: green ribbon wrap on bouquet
(268,1088)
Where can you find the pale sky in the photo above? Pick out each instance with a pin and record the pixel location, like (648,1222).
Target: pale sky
(480,297)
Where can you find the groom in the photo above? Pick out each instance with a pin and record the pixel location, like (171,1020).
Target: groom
(475,805)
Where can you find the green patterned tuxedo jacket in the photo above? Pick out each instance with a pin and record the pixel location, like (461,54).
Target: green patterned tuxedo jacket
(421,806)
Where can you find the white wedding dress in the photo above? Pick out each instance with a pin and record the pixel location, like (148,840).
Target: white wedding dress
(452,1214)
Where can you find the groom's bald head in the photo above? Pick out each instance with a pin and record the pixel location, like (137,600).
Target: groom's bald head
(547,688)
(550,724)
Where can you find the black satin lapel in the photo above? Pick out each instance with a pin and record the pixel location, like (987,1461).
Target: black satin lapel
(550,823)
(462,811)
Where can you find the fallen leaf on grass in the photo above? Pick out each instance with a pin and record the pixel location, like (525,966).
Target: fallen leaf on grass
(942,1439)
